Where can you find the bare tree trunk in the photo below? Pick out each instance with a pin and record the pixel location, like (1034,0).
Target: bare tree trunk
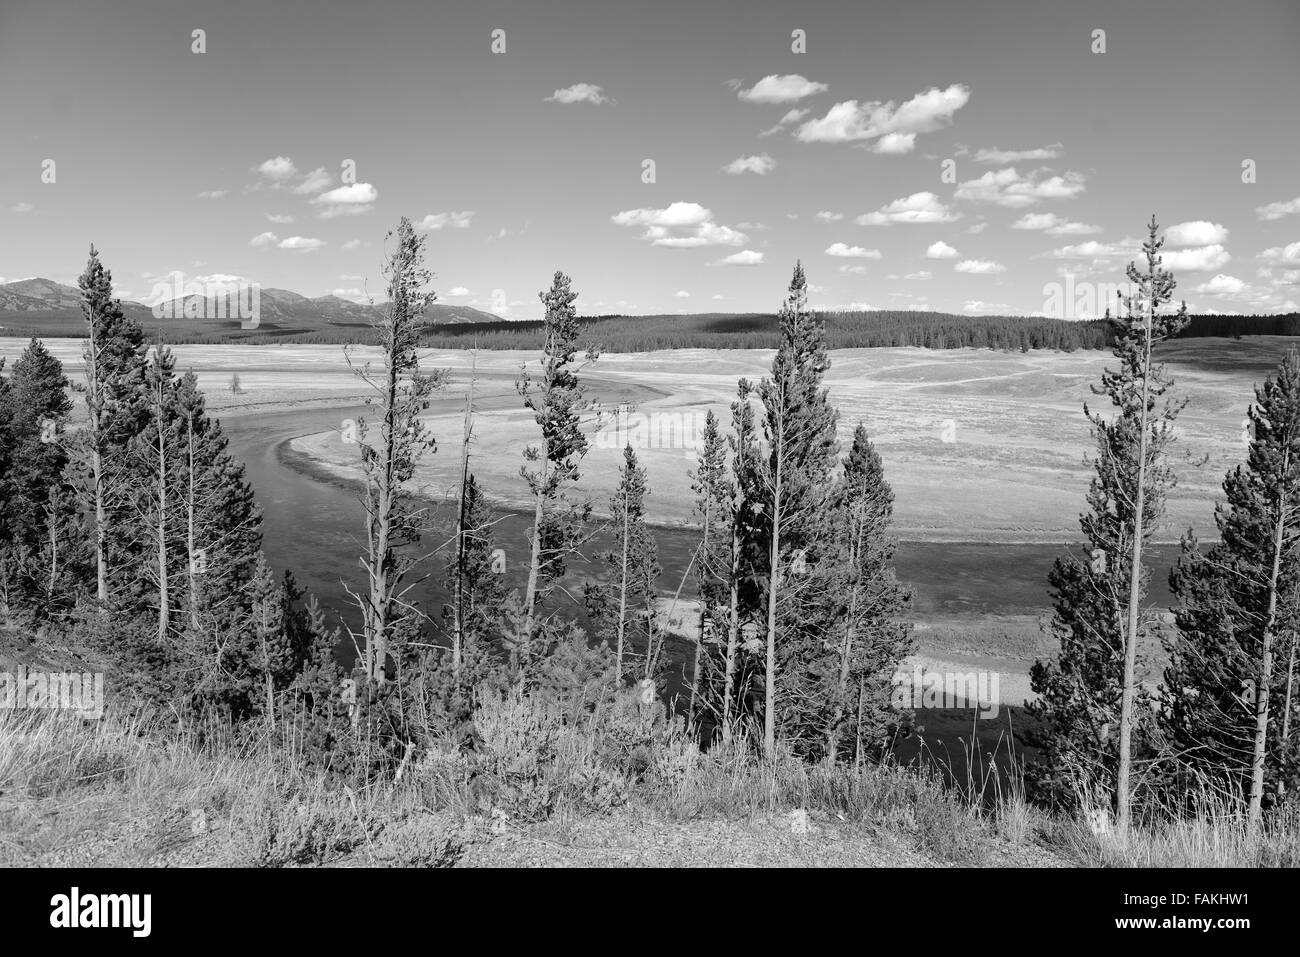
(774,574)
(1290,677)
(622,599)
(458,600)
(96,428)
(733,635)
(1123,796)
(850,629)
(190,540)
(164,597)
(51,512)
(534,564)
(1263,692)
(704,606)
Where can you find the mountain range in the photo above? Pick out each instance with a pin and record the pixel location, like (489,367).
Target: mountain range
(47,307)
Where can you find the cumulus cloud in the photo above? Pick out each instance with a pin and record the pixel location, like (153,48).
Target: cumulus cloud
(278,169)
(313,182)
(1278,210)
(826,216)
(452,220)
(941,250)
(351,200)
(1195,233)
(759,165)
(894,126)
(352,244)
(851,252)
(1282,255)
(746,257)
(1222,285)
(980,267)
(996,156)
(682,294)
(917,208)
(680,225)
(211,194)
(1006,187)
(1054,225)
(261,240)
(781,89)
(580,93)
(1203,258)
(301,244)
(458,291)
(279,218)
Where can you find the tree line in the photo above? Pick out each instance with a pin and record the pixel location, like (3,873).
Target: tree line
(135,537)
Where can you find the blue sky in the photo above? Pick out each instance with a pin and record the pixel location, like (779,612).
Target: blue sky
(230,162)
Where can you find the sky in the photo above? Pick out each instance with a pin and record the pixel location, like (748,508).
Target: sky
(670,156)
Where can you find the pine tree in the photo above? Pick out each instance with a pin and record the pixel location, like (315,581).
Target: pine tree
(1089,695)
(627,603)
(36,514)
(1237,603)
(114,363)
(795,485)
(713,504)
(874,640)
(557,400)
(390,448)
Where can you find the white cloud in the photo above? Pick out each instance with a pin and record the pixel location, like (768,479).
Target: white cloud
(895,144)
(826,216)
(1092,249)
(682,294)
(977,228)
(1222,285)
(1195,233)
(996,156)
(278,169)
(1278,210)
(941,250)
(759,165)
(1006,187)
(852,121)
(793,116)
(351,200)
(917,208)
(680,225)
(781,89)
(979,267)
(313,182)
(1202,258)
(922,274)
(1054,225)
(853,270)
(279,218)
(851,252)
(352,244)
(717,295)
(211,194)
(746,257)
(458,291)
(453,220)
(354,294)
(580,93)
(302,244)
(1288,255)
(264,239)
